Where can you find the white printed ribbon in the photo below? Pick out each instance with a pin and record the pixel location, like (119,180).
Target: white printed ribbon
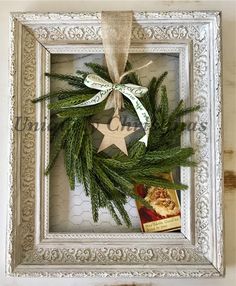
(131,91)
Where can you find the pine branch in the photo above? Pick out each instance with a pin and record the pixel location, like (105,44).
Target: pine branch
(159,82)
(80,112)
(150,99)
(94,196)
(120,180)
(77,81)
(63,94)
(131,77)
(123,213)
(154,170)
(79,139)
(68,155)
(174,114)
(57,146)
(107,184)
(67,102)
(99,70)
(180,111)
(163,109)
(158,182)
(104,178)
(137,150)
(157,156)
(88,150)
(117,164)
(56,125)
(187,110)
(83,175)
(110,207)
(125,186)
(108,203)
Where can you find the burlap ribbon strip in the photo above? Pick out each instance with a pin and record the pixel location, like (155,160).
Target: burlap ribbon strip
(116,37)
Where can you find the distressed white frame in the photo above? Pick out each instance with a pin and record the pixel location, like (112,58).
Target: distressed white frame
(195,252)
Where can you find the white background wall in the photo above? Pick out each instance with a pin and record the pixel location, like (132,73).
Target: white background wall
(229,86)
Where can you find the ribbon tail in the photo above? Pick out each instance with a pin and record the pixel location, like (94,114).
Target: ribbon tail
(97,98)
(142,114)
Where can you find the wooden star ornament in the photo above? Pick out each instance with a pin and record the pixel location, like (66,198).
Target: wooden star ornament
(114,133)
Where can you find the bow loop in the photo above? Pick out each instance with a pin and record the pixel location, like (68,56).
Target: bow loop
(96,82)
(135,90)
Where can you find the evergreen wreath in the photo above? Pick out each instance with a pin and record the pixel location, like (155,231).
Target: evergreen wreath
(110,181)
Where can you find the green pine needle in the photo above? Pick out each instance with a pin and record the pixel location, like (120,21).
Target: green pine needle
(99,70)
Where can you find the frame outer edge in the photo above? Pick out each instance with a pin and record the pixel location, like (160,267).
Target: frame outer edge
(11,231)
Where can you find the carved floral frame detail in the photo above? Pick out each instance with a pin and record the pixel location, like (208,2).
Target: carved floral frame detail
(198,250)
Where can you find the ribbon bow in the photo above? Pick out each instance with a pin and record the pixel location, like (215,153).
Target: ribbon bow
(131,91)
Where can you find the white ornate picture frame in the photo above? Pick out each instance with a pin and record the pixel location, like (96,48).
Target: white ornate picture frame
(197,251)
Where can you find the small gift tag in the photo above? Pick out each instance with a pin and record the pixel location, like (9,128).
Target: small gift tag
(165,215)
